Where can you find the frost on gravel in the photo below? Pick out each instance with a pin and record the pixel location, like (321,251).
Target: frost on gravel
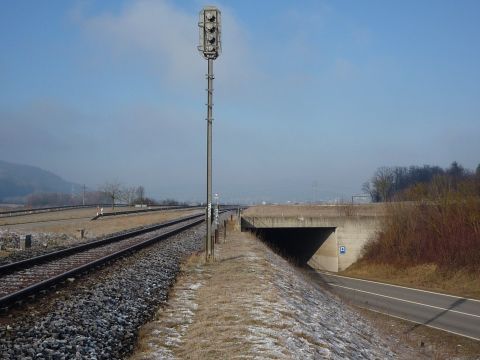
(176,316)
(280,314)
(309,322)
(299,320)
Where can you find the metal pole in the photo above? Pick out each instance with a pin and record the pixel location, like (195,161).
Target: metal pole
(209,244)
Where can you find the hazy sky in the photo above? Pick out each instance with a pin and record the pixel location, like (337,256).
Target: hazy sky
(306,92)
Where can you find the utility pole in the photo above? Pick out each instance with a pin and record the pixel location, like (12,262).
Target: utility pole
(210,47)
(83,198)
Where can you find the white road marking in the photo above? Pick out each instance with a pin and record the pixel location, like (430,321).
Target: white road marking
(420,323)
(398,286)
(408,301)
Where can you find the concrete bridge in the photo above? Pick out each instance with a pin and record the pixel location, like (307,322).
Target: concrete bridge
(326,237)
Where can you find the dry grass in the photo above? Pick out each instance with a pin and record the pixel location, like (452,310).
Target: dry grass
(432,343)
(445,232)
(431,240)
(425,276)
(432,245)
(225,306)
(440,225)
(210,312)
(222,305)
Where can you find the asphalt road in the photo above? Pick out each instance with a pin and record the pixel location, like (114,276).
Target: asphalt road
(454,314)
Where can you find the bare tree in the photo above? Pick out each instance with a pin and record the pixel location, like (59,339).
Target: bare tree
(366,188)
(113,190)
(390,183)
(140,193)
(129,194)
(383,181)
(381,186)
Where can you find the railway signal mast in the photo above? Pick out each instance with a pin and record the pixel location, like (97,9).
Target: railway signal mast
(210,47)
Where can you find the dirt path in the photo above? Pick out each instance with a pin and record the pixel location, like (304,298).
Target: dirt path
(252,304)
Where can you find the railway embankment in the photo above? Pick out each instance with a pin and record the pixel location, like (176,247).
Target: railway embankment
(252,303)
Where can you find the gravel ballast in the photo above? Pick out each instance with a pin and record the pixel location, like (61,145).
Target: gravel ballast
(99,317)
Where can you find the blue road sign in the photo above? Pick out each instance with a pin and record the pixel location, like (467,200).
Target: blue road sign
(342,250)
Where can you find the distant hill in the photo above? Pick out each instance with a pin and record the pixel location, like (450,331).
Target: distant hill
(18,181)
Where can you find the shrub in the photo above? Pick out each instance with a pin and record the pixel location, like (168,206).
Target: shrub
(439,223)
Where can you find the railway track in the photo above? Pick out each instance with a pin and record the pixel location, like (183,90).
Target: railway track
(132,212)
(23,212)
(26,212)
(23,279)
(105,215)
(44,221)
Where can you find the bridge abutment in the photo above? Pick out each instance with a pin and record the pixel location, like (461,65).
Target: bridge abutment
(326,240)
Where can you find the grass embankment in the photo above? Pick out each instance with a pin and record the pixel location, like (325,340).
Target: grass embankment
(209,310)
(432,243)
(427,277)
(251,303)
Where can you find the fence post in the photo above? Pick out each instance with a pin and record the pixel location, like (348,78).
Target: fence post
(224,230)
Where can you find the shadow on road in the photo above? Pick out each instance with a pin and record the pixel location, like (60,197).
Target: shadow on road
(429,321)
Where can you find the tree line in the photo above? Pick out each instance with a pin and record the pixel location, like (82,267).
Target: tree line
(411,183)
(433,217)
(113,193)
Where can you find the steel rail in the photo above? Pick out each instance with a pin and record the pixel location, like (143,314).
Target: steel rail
(22,264)
(122,212)
(128,212)
(20,294)
(39,210)
(170,207)
(42,221)
(13,297)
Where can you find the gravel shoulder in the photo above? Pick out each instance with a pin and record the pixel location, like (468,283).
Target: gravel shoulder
(251,303)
